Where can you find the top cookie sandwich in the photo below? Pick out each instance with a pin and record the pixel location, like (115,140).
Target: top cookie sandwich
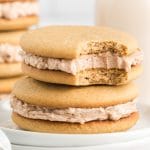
(18,14)
(81,55)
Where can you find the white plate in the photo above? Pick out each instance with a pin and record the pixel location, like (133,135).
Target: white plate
(136,144)
(20,137)
(4,142)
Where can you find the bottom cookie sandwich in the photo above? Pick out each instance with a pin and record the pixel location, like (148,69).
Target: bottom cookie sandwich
(44,107)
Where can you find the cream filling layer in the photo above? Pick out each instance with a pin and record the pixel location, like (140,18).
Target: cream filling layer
(14,10)
(105,60)
(10,53)
(73,115)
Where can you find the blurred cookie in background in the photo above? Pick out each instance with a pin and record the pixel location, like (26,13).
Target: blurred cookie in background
(18,14)
(10,59)
(7,84)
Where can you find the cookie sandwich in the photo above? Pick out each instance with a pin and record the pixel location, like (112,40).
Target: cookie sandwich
(44,107)
(81,55)
(18,14)
(10,59)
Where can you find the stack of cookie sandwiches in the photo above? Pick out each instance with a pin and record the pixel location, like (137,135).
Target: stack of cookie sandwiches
(15,17)
(10,60)
(79,81)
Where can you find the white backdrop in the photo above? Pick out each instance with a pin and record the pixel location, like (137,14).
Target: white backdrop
(132,16)
(67,11)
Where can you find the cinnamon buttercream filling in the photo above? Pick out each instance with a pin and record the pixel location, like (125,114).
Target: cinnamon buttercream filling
(73,66)
(73,115)
(14,10)
(10,53)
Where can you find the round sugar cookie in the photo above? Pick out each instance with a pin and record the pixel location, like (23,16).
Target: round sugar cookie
(74,128)
(61,77)
(7,84)
(72,41)
(11,37)
(18,24)
(62,96)
(8,70)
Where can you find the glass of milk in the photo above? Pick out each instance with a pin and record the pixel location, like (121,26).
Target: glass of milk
(132,16)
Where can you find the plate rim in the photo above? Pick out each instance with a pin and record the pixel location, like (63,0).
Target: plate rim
(145,133)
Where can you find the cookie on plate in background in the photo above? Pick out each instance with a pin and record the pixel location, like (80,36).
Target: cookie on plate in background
(53,108)
(10,59)
(81,55)
(18,14)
